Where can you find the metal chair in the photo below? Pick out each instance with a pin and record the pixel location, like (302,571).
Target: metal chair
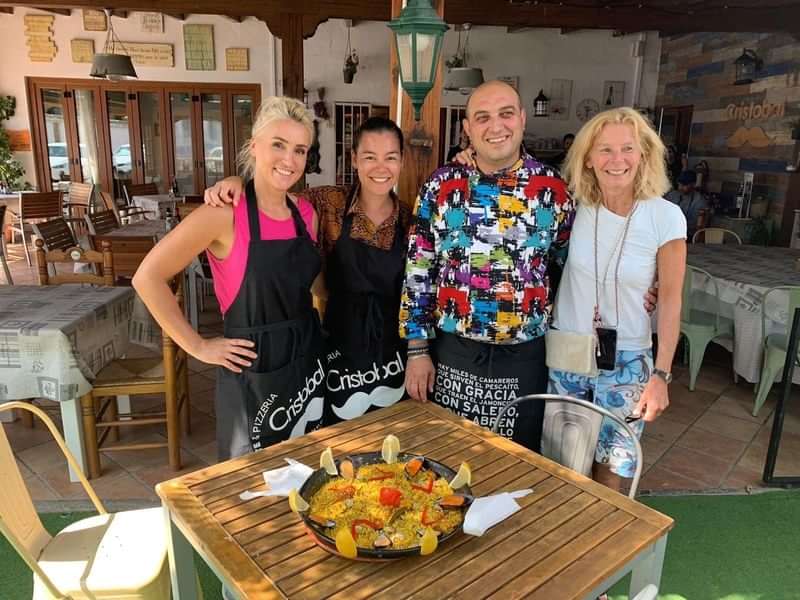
(774,346)
(119,555)
(570,431)
(128,209)
(715,235)
(3,251)
(34,207)
(700,320)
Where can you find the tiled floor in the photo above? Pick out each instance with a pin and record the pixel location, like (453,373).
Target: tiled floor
(706,441)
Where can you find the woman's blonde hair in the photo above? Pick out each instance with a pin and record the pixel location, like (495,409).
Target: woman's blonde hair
(651,179)
(273,108)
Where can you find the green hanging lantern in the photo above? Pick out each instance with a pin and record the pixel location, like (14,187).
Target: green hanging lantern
(418,32)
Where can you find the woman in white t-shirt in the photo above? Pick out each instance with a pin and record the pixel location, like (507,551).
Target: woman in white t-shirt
(625,236)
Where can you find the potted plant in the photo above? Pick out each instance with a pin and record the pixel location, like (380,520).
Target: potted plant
(350,67)
(11,170)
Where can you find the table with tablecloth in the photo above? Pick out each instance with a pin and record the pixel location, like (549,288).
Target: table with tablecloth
(743,275)
(54,339)
(160,205)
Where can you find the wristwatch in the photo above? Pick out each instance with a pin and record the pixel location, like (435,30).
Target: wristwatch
(667,377)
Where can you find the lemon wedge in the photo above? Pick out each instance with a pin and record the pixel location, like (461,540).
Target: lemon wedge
(326,462)
(297,503)
(390,450)
(346,544)
(428,543)
(462,478)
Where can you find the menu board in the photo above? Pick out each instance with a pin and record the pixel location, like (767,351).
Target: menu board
(198,47)
(237,59)
(82,50)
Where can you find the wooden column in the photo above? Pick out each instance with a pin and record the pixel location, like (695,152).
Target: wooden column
(422,137)
(292,55)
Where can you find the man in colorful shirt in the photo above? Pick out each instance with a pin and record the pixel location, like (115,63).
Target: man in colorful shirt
(478,273)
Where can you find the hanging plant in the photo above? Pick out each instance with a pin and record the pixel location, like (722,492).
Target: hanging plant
(350,61)
(11,171)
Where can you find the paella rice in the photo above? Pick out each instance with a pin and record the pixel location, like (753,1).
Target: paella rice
(382,506)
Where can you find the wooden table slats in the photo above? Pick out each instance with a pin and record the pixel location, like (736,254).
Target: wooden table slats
(569,536)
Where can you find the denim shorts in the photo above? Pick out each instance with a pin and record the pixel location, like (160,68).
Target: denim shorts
(617,391)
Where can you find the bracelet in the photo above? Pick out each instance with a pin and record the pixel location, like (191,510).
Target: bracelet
(414,356)
(417,352)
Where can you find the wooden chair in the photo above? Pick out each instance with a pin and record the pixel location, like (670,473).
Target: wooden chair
(716,235)
(120,555)
(139,189)
(34,207)
(103,261)
(167,374)
(3,251)
(101,222)
(127,208)
(56,234)
(78,205)
(127,252)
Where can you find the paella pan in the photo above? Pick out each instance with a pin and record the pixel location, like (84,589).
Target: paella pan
(382,505)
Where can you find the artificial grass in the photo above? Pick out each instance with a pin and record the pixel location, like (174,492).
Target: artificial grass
(722,548)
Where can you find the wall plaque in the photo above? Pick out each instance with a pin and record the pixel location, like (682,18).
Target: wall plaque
(152,22)
(39,38)
(94,20)
(19,139)
(150,55)
(198,47)
(82,50)
(237,59)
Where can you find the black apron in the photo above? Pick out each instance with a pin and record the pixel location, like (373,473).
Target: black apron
(476,380)
(282,394)
(366,356)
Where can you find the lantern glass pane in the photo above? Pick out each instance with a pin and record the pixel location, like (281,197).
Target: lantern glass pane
(405,56)
(426,46)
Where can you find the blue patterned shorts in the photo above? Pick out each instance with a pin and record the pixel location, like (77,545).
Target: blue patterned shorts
(617,391)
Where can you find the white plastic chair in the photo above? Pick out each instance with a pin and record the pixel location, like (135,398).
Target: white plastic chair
(570,432)
(118,555)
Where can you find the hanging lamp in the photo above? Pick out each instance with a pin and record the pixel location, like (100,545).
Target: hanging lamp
(460,76)
(418,35)
(113,63)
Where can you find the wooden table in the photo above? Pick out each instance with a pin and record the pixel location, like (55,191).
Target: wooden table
(573,538)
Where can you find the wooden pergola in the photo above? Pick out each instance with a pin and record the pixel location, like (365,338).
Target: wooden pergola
(295,20)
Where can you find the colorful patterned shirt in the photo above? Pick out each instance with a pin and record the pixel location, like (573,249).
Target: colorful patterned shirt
(479,252)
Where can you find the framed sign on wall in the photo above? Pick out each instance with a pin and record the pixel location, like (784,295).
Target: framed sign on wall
(198,47)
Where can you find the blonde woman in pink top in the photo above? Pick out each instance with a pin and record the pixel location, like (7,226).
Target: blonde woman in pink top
(265,261)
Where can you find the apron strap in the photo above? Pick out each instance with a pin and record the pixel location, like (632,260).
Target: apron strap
(254,222)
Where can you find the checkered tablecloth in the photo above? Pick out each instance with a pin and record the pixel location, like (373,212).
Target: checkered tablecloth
(743,275)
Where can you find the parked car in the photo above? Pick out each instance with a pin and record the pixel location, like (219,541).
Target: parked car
(59,160)
(122,160)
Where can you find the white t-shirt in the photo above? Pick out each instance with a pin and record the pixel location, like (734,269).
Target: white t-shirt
(654,223)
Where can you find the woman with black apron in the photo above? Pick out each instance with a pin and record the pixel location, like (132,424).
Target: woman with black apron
(271,380)
(363,237)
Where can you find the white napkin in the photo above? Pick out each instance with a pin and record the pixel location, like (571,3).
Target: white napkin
(485,512)
(282,481)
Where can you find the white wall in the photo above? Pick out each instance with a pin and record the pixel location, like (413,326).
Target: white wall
(536,56)
(15,65)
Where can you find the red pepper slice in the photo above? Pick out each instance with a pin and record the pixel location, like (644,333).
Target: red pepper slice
(389,496)
(376,525)
(426,521)
(428,487)
(383,476)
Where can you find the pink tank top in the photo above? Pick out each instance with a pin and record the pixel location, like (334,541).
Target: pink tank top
(229,272)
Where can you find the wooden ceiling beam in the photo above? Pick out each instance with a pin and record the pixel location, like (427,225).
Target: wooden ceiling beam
(56,11)
(679,16)
(7,10)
